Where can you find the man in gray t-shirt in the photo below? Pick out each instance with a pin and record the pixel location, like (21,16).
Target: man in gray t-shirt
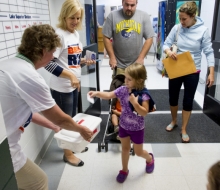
(127,27)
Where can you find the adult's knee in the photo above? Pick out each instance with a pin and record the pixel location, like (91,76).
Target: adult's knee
(41,179)
(187,107)
(188,104)
(43,182)
(173,101)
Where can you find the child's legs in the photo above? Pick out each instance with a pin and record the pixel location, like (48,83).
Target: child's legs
(137,138)
(139,151)
(126,146)
(114,119)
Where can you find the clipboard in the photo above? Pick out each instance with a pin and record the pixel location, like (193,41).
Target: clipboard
(184,65)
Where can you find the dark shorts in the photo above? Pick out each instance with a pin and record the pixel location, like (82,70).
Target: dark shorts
(137,137)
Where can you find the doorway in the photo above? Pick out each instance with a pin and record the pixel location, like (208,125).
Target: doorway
(212,95)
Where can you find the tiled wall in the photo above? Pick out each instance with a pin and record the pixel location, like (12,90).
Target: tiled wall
(15,17)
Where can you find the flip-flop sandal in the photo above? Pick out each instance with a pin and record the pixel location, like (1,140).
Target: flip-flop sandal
(184,136)
(171,127)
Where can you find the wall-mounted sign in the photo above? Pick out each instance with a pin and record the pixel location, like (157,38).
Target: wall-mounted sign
(22,16)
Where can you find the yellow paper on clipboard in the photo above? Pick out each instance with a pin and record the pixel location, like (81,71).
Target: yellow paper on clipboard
(184,65)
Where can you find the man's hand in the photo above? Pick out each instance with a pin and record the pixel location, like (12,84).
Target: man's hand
(112,63)
(141,61)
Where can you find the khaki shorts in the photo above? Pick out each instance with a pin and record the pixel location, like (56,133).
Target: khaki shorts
(119,71)
(31,177)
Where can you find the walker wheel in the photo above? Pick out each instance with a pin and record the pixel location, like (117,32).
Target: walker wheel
(99,146)
(106,146)
(132,152)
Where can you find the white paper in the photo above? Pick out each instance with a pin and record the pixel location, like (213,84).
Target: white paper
(91,100)
(90,55)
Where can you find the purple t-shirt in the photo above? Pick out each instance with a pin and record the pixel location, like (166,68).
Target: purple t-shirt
(129,120)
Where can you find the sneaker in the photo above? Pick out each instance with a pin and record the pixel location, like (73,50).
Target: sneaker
(150,166)
(122,176)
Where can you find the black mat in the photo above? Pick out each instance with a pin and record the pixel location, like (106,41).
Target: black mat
(201,129)
(161,98)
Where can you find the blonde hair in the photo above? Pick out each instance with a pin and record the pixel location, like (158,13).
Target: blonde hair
(190,8)
(138,72)
(214,177)
(36,39)
(69,8)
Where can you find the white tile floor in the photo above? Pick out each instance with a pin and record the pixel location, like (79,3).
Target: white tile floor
(177,166)
(188,172)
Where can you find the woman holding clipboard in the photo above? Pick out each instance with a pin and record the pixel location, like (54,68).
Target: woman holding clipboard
(194,37)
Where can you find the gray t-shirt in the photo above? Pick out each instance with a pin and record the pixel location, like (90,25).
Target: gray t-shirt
(127,34)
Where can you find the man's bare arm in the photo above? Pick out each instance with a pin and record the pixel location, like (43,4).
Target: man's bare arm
(145,50)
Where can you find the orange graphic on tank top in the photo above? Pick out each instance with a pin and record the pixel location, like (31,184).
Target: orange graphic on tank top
(74,49)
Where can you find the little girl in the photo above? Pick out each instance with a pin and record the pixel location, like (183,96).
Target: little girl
(134,108)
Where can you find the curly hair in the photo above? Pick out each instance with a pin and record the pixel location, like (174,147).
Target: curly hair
(36,39)
(69,8)
(138,72)
(190,8)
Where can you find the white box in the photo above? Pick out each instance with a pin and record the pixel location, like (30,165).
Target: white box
(73,140)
